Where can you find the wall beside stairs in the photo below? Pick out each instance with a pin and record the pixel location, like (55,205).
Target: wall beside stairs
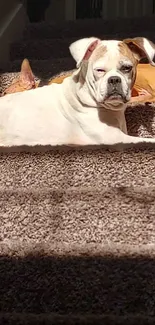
(105,9)
(13,19)
(13,15)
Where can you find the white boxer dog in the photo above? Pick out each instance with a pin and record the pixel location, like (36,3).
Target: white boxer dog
(88,107)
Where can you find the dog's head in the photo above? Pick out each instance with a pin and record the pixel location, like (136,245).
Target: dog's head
(108,68)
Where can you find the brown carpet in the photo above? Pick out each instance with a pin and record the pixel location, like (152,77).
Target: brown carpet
(77,229)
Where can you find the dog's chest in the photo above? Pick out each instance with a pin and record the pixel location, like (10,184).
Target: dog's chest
(97,123)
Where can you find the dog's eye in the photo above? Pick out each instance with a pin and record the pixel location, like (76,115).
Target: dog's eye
(126,68)
(100,70)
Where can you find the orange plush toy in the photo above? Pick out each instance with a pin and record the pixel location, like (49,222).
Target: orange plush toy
(143,90)
(144,87)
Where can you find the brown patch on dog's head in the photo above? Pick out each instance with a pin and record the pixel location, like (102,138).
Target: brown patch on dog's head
(100,52)
(142,48)
(25,81)
(125,51)
(137,49)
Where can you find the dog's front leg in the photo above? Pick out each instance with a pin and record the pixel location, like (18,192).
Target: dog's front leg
(114,136)
(127,139)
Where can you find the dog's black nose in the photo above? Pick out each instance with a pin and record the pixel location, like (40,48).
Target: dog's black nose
(114,80)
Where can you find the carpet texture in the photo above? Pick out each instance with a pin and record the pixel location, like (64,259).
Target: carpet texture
(77,227)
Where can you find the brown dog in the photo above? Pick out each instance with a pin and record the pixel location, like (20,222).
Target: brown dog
(143,90)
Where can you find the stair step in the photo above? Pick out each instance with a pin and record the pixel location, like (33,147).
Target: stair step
(42,49)
(50,66)
(60,168)
(87,27)
(90,319)
(99,279)
(54,48)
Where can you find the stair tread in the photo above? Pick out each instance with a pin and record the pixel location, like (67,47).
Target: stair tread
(118,214)
(78,168)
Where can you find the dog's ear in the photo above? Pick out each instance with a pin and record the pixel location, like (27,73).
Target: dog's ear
(83,48)
(142,48)
(26,75)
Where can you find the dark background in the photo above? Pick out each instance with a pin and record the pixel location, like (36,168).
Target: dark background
(84,8)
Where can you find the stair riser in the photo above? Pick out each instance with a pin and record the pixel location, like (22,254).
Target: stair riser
(47,49)
(78,285)
(50,319)
(88,27)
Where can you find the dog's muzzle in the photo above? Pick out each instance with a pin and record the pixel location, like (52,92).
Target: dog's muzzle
(114,88)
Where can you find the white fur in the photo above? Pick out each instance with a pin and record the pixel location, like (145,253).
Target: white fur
(79,48)
(102,89)
(59,114)
(111,45)
(149,49)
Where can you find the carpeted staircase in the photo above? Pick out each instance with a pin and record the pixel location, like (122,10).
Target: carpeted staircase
(77,227)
